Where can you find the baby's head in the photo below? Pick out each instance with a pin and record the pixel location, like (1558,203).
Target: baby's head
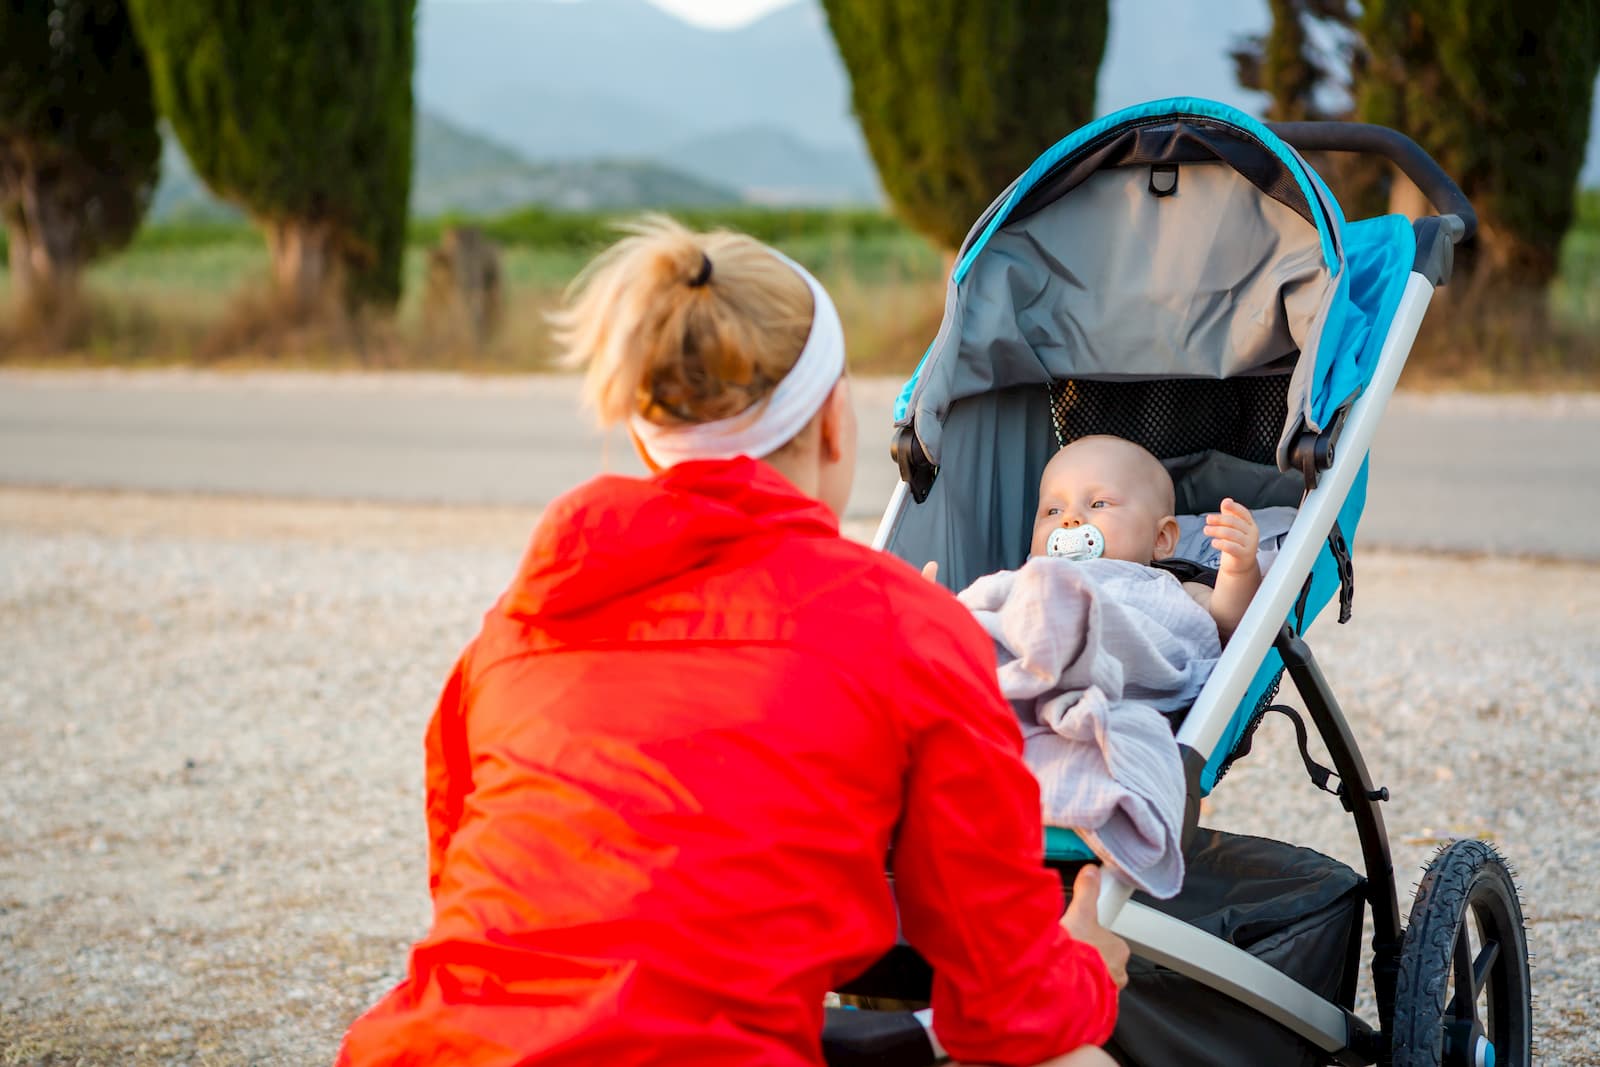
(1116,485)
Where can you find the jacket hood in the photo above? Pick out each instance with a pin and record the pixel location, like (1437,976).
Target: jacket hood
(616,536)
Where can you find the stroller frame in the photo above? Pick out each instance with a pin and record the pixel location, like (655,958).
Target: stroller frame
(1330,460)
(1182,948)
(1197,955)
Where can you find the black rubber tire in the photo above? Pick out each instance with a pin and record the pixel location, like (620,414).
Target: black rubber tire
(1466,882)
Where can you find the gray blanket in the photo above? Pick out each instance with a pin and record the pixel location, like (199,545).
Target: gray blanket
(1090,655)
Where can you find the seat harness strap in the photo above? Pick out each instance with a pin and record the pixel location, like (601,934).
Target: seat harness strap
(1319,774)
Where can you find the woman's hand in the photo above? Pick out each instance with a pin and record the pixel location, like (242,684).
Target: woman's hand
(1235,534)
(1082,921)
(930,570)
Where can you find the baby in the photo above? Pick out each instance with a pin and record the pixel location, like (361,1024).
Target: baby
(1127,494)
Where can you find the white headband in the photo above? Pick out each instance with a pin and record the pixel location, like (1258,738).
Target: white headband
(768,424)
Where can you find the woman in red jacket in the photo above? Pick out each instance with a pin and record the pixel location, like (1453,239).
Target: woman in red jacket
(663,779)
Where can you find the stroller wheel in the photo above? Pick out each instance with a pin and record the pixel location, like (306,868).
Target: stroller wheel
(1463,995)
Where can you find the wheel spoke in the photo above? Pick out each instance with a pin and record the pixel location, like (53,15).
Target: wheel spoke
(1464,1005)
(1483,965)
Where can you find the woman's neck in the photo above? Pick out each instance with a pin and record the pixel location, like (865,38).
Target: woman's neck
(799,465)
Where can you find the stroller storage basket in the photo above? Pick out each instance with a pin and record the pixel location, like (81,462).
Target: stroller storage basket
(1291,907)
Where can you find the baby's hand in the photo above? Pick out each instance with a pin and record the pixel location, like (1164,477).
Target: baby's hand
(1234,533)
(930,570)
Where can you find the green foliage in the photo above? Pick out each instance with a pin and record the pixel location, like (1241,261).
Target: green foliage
(188,234)
(589,232)
(957,98)
(866,244)
(1586,215)
(1499,93)
(301,113)
(79,151)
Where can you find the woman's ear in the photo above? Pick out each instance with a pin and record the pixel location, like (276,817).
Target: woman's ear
(833,440)
(1166,537)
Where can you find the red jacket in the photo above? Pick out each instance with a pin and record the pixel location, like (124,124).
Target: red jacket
(662,782)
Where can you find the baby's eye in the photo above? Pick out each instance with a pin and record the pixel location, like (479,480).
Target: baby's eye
(1052,511)
(1100,504)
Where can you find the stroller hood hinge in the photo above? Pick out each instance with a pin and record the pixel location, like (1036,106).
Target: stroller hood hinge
(915,470)
(1314,452)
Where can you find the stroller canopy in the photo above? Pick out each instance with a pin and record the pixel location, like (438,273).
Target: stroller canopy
(1175,239)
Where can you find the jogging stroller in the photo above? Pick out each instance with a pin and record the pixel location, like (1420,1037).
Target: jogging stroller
(1176,274)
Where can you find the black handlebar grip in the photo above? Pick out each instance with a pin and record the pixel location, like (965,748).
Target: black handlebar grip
(1445,195)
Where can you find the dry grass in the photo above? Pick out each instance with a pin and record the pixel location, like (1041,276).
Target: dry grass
(1509,343)
(210,307)
(889,324)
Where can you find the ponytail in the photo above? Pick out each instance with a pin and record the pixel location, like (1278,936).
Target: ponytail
(682,327)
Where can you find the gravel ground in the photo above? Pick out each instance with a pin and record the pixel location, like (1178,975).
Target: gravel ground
(211,843)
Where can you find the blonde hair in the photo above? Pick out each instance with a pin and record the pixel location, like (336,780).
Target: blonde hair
(657,345)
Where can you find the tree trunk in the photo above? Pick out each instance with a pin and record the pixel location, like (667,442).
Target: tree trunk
(45,245)
(1406,199)
(304,269)
(19,259)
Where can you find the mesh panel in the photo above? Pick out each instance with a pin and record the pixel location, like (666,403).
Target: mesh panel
(1176,416)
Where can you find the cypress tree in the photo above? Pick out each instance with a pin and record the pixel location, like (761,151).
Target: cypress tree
(956,98)
(79,149)
(1499,92)
(1287,65)
(1307,63)
(300,113)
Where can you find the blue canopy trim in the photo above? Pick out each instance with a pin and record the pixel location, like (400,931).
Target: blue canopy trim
(1176,106)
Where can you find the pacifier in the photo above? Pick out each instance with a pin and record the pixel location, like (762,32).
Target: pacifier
(1078,543)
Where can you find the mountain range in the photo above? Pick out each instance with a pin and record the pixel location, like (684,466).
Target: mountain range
(459,172)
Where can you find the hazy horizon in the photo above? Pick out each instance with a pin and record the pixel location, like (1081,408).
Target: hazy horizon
(1155,48)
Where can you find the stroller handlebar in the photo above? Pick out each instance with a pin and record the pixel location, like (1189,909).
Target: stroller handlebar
(1445,195)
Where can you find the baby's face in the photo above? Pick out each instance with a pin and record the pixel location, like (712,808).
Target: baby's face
(1115,485)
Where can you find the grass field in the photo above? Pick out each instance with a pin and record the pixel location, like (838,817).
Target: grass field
(183,294)
(175,295)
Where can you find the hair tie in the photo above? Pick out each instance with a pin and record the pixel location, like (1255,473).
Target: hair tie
(705,272)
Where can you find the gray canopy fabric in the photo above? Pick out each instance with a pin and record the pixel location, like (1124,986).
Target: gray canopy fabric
(1111,281)
(978,516)
(1116,282)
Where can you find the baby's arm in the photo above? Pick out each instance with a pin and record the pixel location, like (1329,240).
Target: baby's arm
(1234,533)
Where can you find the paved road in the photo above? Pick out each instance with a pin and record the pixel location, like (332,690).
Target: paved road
(1465,473)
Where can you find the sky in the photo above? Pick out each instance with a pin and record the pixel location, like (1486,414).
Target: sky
(713,14)
(720,14)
